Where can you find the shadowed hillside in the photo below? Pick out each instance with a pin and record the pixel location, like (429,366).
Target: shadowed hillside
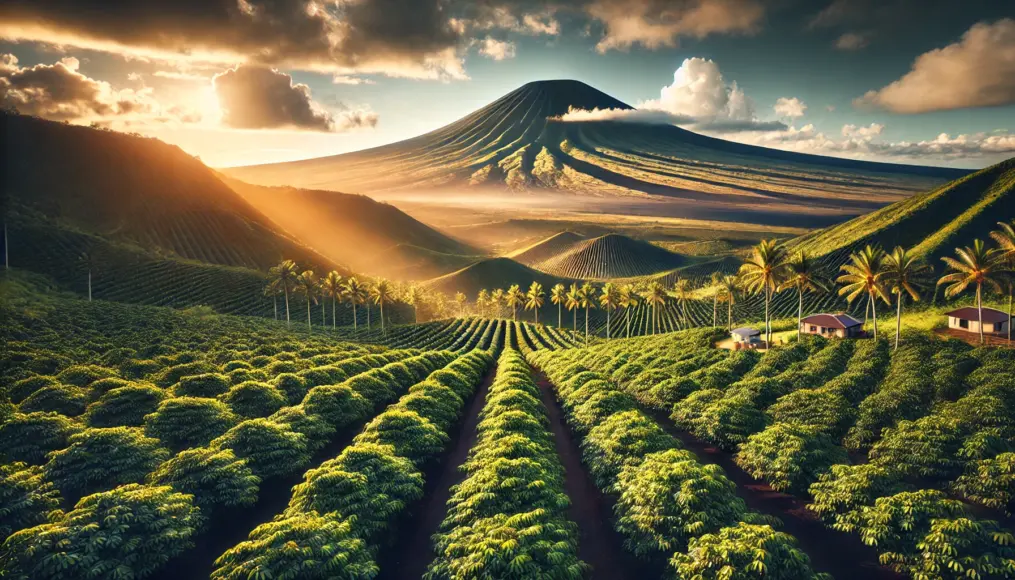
(610,256)
(489,275)
(934,223)
(546,249)
(368,235)
(139,191)
(516,143)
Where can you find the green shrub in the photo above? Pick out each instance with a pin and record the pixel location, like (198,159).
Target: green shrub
(175,374)
(26,499)
(317,431)
(84,375)
(183,422)
(410,435)
(292,386)
(124,406)
(208,385)
(622,440)
(789,456)
(961,548)
(30,437)
(238,376)
(24,388)
(338,405)
(103,386)
(990,482)
(252,399)
(66,400)
(744,551)
(139,368)
(100,459)
(129,532)
(271,449)
(215,477)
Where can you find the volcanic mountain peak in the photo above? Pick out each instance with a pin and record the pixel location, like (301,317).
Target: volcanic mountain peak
(610,256)
(558,96)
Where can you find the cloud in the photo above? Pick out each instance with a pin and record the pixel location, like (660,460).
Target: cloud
(700,91)
(645,116)
(852,41)
(496,49)
(977,71)
(410,38)
(790,107)
(862,132)
(253,97)
(181,76)
(350,80)
(656,24)
(528,18)
(60,92)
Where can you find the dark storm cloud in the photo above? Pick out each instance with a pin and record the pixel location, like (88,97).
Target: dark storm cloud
(405,37)
(254,97)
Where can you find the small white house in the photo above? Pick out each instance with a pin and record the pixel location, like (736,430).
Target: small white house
(968,319)
(748,336)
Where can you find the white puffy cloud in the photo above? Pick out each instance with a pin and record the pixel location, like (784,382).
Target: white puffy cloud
(646,116)
(977,71)
(791,107)
(700,91)
(496,49)
(862,132)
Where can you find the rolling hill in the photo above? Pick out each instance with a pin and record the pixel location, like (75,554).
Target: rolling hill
(932,223)
(518,143)
(610,256)
(548,248)
(370,236)
(491,274)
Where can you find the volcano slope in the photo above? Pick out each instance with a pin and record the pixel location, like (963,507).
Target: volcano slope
(610,256)
(518,143)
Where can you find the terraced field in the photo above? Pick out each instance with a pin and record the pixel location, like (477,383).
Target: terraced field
(609,256)
(546,249)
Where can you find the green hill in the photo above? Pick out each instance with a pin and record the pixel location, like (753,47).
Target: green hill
(933,223)
(368,235)
(610,256)
(491,274)
(548,248)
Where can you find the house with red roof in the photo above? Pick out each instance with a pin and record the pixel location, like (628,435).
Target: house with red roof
(832,326)
(968,319)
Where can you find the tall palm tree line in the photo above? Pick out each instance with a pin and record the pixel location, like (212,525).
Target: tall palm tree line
(802,274)
(586,295)
(382,293)
(285,275)
(534,299)
(977,266)
(655,296)
(573,303)
(306,284)
(904,274)
(865,275)
(763,272)
(682,294)
(628,299)
(356,293)
(609,299)
(333,286)
(514,298)
(558,295)
(728,287)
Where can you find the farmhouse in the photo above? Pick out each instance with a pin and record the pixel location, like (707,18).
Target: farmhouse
(968,319)
(748,336)
(832,325)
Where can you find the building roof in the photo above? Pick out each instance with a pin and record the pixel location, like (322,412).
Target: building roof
(746,332)
(990,316)
(842,321)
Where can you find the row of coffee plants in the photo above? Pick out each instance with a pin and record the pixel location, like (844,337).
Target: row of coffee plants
(669,506)
(508,518)
(346,508)
(225,472)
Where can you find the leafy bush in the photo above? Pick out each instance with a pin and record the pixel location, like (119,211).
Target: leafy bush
(66,400)
(208,385)
(897,522)
(293,387)
(103,386)
(129,532)
(741,552)
(843,490)
(669,498)
(410,435)
(622,440)
(789,456)
(174,374)
(84,375)
(962,548)
(318,547)
(100,459)
(215,477)
(183,422)
(270,448)
(338,405)
(30,437)
(23,388)
(124,406)
(252,399)
(139,368)
(26,499)
(317,431)
(991,482)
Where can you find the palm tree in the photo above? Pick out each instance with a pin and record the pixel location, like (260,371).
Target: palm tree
(764,272)
(306,284)
(382,293)
(1005,238)
(627,299)
(802,274)
(729,286)
(88,259)
(271,289)
(333,285)
(586,295)
(460,300)
(716,279)
(655,296)
(482,300)
(496,299)
(355,293)
(865,275)
(682,293)
(514,298)
(976,265)
(609,299)
(414,297)
(285,275)
(573,303)
(535,297)
(904,274)
(558,295)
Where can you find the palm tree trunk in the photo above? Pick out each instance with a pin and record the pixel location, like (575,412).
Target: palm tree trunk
(799,310)
(898,320)
(308,314)
(1009,310)
(715,308)
(874,313)
(324,318)
(274,305)
(607,324)
(627,317)
(729,316)
(334,319)
(384,329)
(89,284)
(768,319)
(979,308)
(287,320)
(586,326)
(683,312)
(574,321)
(369,322)
(560,315)
(535,315)
(355,319)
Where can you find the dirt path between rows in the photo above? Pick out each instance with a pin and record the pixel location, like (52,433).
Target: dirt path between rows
(411,553)
(840,554)
(230,526)
(599,545)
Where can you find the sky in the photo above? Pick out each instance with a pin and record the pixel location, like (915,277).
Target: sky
(239,82)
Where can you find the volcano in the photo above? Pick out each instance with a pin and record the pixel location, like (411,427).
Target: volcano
(519,144)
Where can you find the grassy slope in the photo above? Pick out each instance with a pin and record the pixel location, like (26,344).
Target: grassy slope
(491,274)
(546,248)
(610,256)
